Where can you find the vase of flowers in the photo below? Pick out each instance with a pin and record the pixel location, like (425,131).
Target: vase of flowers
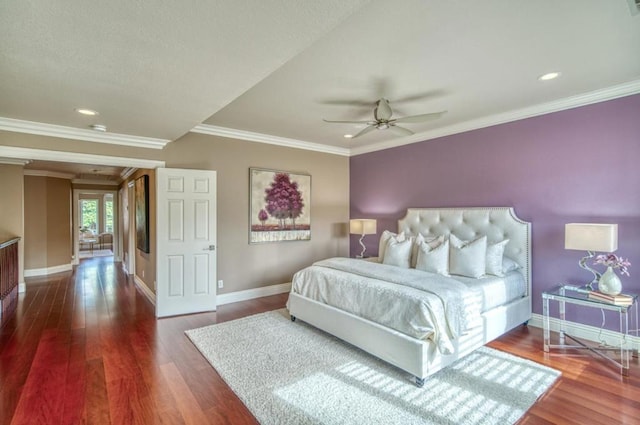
(609,282)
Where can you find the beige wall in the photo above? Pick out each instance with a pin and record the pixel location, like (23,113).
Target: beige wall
(11,212)
(245,266)
(47,215)
(241,265)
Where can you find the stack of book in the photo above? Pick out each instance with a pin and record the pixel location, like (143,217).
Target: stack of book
(619,299)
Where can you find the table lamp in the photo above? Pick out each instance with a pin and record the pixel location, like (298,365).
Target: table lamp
(362,226)
(591,237)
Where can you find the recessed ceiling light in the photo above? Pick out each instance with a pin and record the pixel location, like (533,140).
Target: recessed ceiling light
(549,76)
(348,136)
(85,111)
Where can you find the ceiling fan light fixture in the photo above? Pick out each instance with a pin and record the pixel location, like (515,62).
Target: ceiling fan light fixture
(549,76)
(87,111)
(99,127)
(348,136)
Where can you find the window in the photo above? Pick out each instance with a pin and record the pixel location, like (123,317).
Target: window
(108,213)
(89,215)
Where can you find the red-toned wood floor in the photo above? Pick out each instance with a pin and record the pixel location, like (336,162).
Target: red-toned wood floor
(85,347)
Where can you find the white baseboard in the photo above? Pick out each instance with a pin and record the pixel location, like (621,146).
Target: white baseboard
(48,270)
(22,287)
(590,333)
(249,294)
(145,289)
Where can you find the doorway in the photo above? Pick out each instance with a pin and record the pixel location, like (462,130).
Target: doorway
(95,224)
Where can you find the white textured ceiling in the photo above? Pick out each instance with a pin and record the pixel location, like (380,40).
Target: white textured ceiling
(279,67)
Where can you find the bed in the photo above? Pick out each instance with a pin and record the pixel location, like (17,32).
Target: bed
(411,351)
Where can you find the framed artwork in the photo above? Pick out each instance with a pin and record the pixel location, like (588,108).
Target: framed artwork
(279,206)
(142,213)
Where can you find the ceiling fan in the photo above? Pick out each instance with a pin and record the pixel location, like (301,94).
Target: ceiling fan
(383,121)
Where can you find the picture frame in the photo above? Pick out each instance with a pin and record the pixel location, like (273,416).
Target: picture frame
(142,213)
(279,206)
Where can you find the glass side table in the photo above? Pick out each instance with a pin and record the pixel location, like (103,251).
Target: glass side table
(568,294)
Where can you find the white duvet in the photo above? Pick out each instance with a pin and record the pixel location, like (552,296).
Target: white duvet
(417,303)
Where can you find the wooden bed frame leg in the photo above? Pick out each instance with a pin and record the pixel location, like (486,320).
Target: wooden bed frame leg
(419,382)
(293,318)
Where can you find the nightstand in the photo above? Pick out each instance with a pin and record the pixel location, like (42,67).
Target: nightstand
(568,294)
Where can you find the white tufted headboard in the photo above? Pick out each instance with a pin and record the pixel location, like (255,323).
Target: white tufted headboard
(497,223)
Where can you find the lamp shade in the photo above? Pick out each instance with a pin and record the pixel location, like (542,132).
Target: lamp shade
(363,226)
(591,237)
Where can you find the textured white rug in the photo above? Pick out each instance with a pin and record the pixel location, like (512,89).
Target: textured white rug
(292,373)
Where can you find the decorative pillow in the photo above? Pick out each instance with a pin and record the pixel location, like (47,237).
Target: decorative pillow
(397,253)
(433,242)
(495,253)
(384,238)
(509,265)
(468,258)
(434,260)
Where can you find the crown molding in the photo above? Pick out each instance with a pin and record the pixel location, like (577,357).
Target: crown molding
(74,157)
(610,93)
(52,130)
(44,173)
(14,161)
(269,139)
(127,172)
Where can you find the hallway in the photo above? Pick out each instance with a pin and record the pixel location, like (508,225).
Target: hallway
(85,347)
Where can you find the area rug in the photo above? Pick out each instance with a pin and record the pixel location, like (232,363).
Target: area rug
(292,373)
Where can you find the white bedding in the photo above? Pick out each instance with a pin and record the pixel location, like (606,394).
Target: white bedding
(497,291)
(420,304)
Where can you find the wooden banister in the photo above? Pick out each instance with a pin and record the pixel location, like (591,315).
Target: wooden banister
(9,274)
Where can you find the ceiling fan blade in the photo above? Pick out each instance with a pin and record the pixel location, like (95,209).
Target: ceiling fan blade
(365,131)
(347,102)
(420,96)
(419,118)
(400,130)
(383,111)
(349,122)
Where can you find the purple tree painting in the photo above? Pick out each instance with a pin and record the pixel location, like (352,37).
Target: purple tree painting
(283,199)
(279,206)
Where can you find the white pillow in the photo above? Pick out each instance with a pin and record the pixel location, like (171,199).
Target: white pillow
(509,265)
(384,238)
(434,260)
(495,253)
(397,253)
(468,258)
(432,241)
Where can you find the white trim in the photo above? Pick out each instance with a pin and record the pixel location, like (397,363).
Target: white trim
(127,172)
(602,95)
(97,182)
(48,270)
(145,289)
(22,287)
(43,129)
(249,294)
(590,333)
(610,93)
(233,133)
(13,161)
(74,157)
(54,174)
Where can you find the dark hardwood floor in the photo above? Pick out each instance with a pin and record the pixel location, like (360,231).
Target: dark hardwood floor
(85,347)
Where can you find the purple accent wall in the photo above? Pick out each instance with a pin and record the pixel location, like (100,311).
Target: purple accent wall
(578,165)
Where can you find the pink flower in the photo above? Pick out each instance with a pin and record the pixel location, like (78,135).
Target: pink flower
(613,261)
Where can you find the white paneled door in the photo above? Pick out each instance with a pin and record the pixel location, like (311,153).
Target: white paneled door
(186,241)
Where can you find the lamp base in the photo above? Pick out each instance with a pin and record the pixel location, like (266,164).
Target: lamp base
(583,264)
(363,247)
